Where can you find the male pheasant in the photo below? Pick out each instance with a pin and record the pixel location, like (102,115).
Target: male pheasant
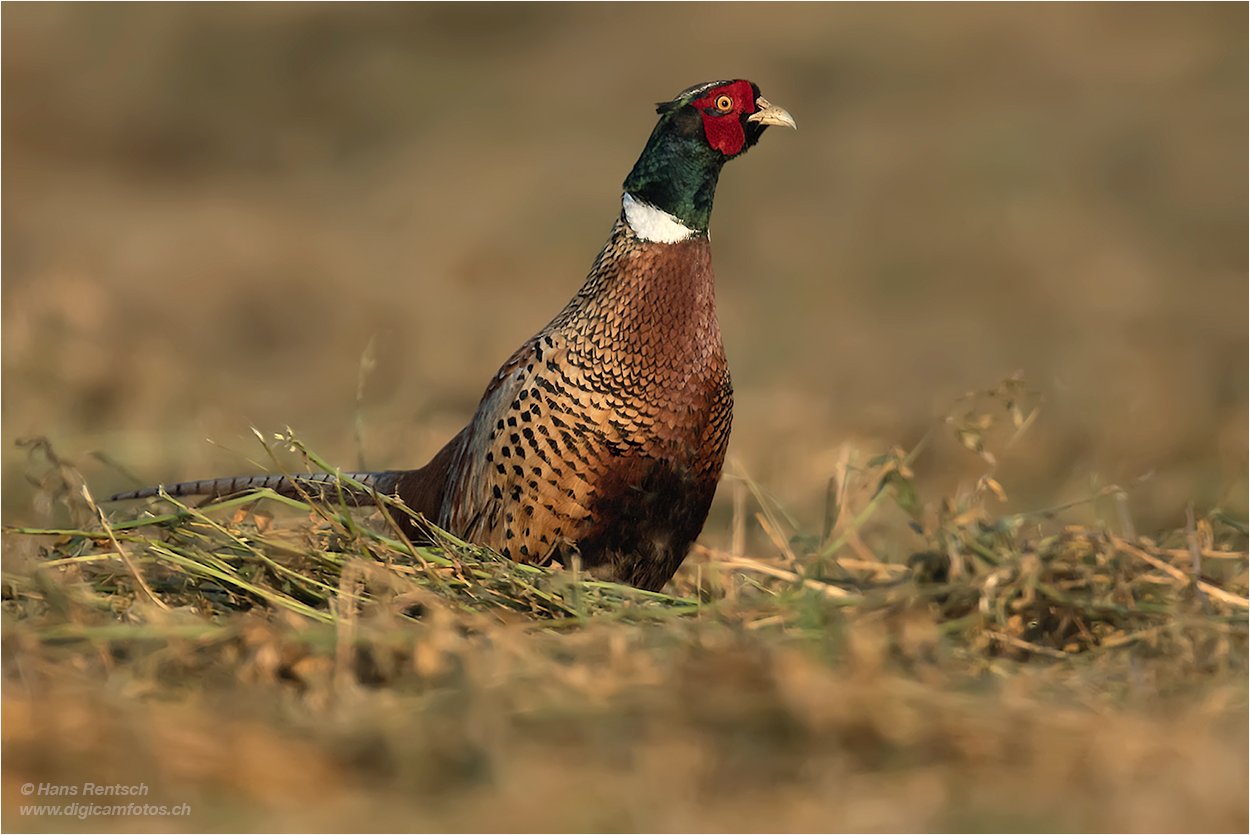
(603,436)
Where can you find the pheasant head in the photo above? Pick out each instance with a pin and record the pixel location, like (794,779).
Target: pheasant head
(669,192)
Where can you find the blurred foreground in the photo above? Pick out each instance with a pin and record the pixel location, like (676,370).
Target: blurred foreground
(272,674)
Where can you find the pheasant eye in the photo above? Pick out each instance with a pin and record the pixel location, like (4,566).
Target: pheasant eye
(724,103)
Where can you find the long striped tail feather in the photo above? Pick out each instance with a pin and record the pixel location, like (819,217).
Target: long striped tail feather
(319,487)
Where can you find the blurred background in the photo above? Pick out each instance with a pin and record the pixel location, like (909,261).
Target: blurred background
(213,211)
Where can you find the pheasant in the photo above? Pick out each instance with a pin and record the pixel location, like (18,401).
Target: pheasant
(603,436)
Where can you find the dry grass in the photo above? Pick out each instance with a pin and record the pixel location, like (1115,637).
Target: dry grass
(1018,673)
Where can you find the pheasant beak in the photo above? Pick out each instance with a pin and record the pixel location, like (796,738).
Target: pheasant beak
(771,114)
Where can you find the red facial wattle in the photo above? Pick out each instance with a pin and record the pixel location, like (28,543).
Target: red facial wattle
(724,128)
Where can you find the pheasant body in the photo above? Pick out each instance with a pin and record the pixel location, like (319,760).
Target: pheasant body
(604,435)
(605,432)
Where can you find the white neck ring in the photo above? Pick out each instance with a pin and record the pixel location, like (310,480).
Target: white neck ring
(652,224)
